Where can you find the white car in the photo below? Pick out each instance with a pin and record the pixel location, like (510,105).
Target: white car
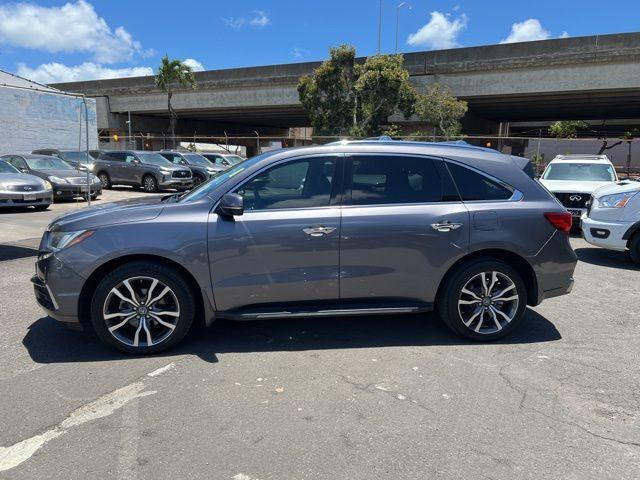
(613,219)
(573,178)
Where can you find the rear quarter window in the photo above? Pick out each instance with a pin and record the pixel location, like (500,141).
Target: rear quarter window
(474,186)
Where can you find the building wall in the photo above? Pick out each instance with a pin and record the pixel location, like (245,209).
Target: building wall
(32,119)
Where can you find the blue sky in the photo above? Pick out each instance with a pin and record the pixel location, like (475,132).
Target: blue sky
(58,41)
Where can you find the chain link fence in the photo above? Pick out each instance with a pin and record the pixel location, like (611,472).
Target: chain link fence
(624,154)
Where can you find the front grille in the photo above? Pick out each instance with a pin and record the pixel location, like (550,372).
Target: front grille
(24,188)
(181,174)
(573,200)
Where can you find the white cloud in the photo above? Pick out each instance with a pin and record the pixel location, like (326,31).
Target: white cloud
(298,52)
(234,22)
(527,31)
(261,19)
(440,32)
(565,35)
(73,27)
(195,65)
(57,72)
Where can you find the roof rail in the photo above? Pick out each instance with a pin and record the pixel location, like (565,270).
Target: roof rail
(582,156)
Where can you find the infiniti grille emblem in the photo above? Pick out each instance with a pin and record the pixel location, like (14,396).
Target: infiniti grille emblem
(575,198)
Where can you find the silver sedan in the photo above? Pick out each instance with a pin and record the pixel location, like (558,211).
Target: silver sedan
(22,190)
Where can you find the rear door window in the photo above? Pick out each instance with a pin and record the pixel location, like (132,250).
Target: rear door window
(474,186)
(382,179)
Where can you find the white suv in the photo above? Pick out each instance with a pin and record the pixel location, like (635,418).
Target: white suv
(613,218)
(573,178)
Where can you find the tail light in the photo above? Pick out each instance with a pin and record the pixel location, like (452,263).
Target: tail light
(560,220)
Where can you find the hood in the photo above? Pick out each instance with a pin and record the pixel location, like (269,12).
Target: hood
(60,173)
(20,179)
(572,186)
(169,166)
(125,211)
(618,187)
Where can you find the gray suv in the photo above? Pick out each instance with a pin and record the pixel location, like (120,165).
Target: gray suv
(357,228)
(201,168)
(148,170)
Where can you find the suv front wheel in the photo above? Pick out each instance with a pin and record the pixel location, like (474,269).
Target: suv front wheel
(483,300)
(142,307)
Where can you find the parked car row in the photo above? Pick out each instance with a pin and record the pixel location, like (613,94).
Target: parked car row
(605,208)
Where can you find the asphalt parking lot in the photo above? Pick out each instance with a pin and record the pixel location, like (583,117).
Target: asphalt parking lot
(343,398)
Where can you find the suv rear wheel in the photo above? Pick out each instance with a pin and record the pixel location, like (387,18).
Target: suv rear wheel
(142,307)
(483,300)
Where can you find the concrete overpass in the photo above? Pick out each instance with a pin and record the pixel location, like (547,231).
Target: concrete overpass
(596,77)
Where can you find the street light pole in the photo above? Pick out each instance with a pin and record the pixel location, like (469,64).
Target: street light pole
(400,5)
(380,28)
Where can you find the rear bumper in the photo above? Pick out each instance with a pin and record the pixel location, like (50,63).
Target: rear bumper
(554,266)
(606,234)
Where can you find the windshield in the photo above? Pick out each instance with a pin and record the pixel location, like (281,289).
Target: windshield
(153,159)
(215,181)
(195,159)
(6,168)
(589,172)
(76,157)
(48,163)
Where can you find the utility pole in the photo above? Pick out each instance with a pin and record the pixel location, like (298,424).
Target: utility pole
(129,122)
(400,5)
(380,28)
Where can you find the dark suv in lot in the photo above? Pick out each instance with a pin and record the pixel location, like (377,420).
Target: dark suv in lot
(148,170)
(201,168)
(356,228)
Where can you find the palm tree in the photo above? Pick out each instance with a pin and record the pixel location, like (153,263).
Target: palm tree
(172,73)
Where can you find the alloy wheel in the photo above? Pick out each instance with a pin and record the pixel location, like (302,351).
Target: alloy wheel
(488,302)
(149,184)
(104,180)
(141,311)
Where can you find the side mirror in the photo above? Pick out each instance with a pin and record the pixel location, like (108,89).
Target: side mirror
(231,205)
(24,170)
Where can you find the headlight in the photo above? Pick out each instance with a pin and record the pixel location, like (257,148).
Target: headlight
(95,180)
(618,200)
(47,185)
(58,180)
(165,172)
(58,240)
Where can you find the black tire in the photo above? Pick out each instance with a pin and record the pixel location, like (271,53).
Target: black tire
(451,292)
(105,180)
(167,276)
(41,207)
(149,184)
(634,248)
(197,180)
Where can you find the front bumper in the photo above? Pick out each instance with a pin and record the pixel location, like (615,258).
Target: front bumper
(66,191)
(57,288)
(606,234)
(25,199)
(176,183)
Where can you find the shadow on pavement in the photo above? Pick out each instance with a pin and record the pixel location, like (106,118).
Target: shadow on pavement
(606,258)
(14,252)
(48,341)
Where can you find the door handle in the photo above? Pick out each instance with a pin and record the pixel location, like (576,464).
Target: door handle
(445,226)
(318,230)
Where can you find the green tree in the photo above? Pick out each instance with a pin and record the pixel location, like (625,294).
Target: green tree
(172,74)
(440,108)
(567,128)
(329,94)
(382,89)
(345,98)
